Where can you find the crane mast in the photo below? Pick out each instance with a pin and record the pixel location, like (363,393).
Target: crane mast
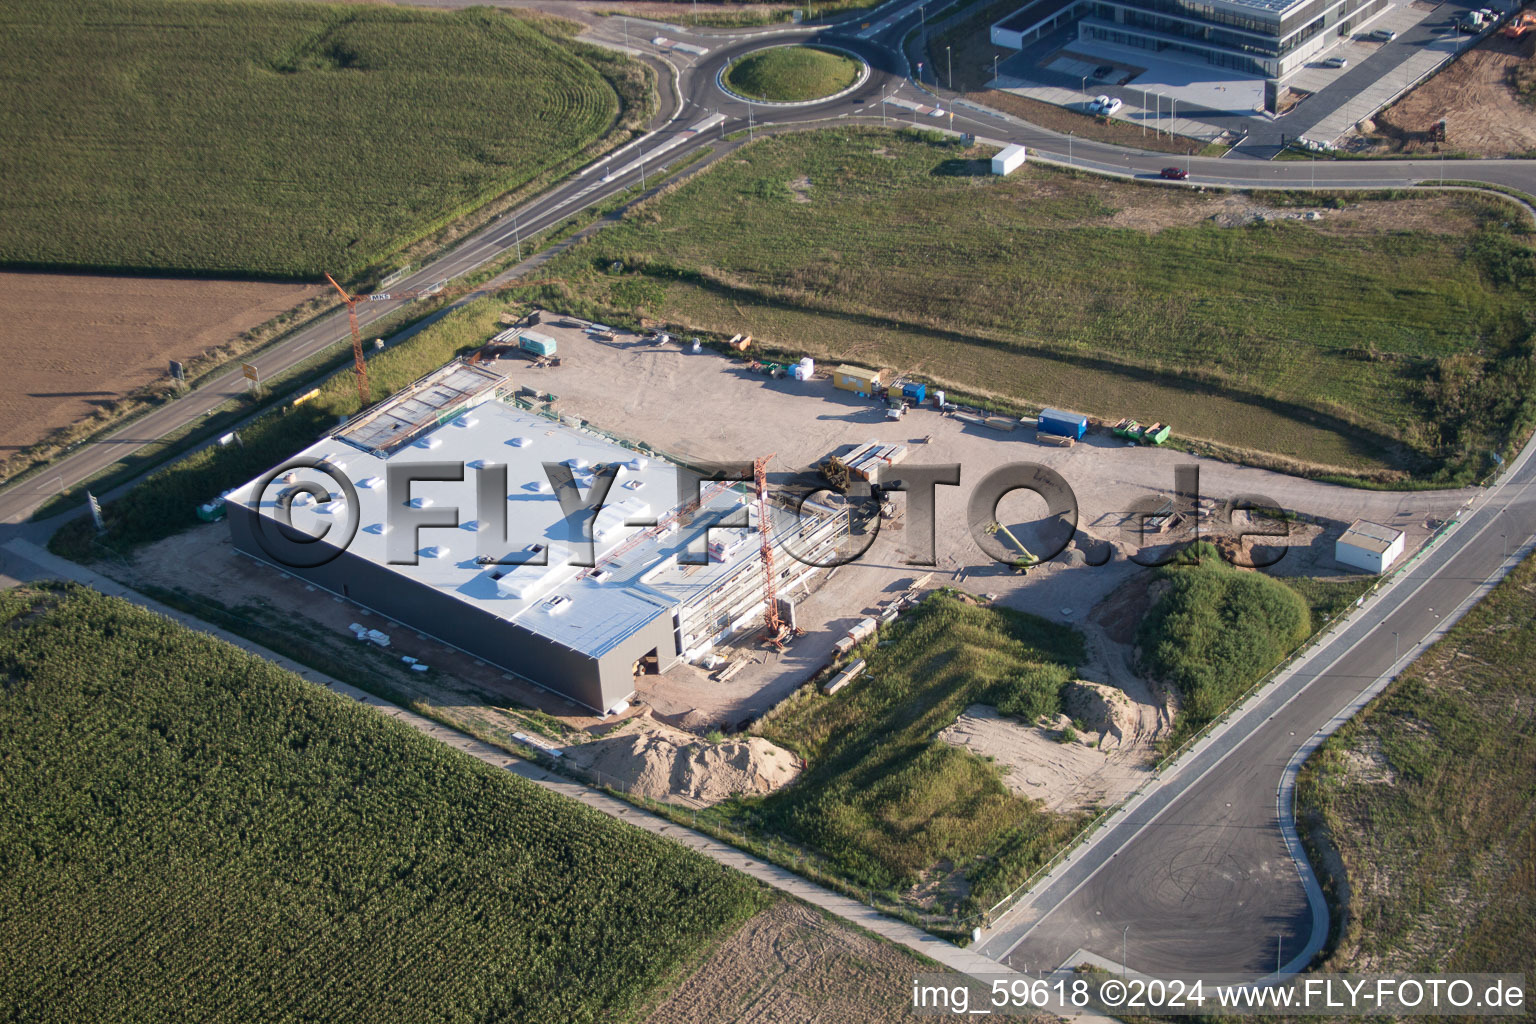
(773,626)
(359,366)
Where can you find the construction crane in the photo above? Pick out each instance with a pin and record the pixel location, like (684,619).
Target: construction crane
(773,626)
(1025,559)
(358,366)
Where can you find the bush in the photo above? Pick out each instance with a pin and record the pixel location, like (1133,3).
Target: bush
(1217,630)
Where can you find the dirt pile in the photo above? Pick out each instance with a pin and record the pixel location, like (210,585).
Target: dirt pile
(1103,710)
(1483,113)
(652,760)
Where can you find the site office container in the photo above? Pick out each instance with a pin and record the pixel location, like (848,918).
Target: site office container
(536,343)
(1062,424)
(856,379)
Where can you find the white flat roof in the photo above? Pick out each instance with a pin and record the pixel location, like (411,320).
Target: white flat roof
(600,608)
(1371,537)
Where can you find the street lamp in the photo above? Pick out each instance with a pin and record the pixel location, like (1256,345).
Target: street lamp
(1124,941)
(1143,113)
(1069,149)
(994,66)
(949,63)
(1173,116)
(1396,647)
(1082,85)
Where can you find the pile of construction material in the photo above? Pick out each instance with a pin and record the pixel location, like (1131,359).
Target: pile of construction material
(648,758)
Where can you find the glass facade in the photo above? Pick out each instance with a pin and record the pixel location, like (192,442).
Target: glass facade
(1266,37)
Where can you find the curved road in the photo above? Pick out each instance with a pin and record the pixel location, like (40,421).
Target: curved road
(1197,874)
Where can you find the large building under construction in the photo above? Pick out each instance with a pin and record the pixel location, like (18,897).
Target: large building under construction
(667,583)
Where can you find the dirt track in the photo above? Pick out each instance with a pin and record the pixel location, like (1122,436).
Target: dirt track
(1482,113)
(73,343)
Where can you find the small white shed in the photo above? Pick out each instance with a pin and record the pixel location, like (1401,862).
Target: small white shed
(1009,160)
(1369,546)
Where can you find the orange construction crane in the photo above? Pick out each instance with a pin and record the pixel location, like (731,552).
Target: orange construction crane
(773,626)
(1519,25)
(358,366)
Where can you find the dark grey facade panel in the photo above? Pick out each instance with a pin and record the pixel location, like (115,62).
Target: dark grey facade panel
(597,683)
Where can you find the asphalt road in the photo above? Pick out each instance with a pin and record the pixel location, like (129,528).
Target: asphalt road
(691,96)
(1197,877)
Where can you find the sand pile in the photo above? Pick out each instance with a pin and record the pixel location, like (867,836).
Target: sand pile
(1103,710)
(651,760)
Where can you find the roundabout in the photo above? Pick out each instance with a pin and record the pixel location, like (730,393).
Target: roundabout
(793,74)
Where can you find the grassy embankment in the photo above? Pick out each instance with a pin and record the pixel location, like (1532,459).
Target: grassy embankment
(792,74)
(188,832)
(1428,798)
(883,803)
(1217,629)
(273,139)
(1388,338)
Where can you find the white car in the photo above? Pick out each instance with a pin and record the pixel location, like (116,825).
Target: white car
(1105,105)
(1336,62)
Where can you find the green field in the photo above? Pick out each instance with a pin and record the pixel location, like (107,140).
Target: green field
(882,801)
(1428,797)
(792,74)
(1386,338)
(274,139)
(189,833)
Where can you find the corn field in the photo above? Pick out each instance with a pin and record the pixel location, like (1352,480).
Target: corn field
(189,833)
(271,140)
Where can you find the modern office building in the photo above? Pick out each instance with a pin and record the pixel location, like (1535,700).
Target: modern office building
(504,581)
(1261,37)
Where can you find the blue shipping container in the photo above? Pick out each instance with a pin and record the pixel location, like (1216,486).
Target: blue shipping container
(1064,424)
(917,392)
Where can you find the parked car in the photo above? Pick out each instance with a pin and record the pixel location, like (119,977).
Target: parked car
(1103,71)
(1098,103)
(1336,62)
(1110,106)
(1382,35)
(1174,173)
